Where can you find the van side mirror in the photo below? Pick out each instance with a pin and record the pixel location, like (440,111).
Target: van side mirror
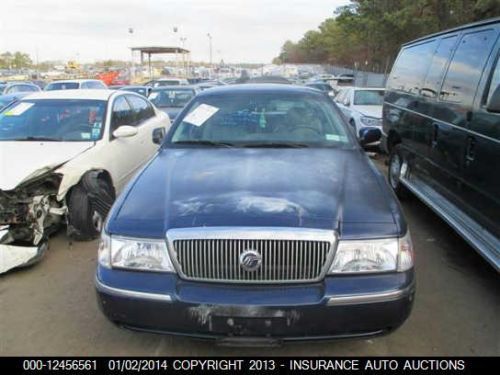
(494,102)
(158,135)
(369,135)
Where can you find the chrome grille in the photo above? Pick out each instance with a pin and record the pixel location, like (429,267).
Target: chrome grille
(286,255)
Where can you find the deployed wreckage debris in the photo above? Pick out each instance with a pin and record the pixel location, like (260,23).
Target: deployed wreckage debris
(31,212)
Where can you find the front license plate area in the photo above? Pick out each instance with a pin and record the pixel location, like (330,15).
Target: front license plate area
(248,326)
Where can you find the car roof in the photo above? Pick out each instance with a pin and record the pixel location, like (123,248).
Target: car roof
(92,94)
(175,87)
(133,86)
(259,88)
(367,88)
(455,29)
(75,80)
(170,79)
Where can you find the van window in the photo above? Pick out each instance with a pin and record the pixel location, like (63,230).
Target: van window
(410,67)
(495,79)
(466,66)
(438,65)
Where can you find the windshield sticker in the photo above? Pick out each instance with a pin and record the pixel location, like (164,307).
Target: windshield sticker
(201,114)
(96,132)
(85,135)
(153,95)
(19,109)
(332,137)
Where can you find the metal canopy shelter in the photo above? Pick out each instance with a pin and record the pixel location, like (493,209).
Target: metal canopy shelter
(155,50)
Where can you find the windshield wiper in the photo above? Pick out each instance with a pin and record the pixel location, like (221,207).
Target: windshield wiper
(203,143)
(32,138)
(275,145)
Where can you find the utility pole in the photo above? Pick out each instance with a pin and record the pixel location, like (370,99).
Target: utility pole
(210,46)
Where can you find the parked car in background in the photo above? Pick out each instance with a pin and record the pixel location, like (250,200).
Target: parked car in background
(260,219)
(142,90)
(13,88)
(40,83)
(172,99)
(72,84)
(205,85)
(324,87)
(269,79)
(442,129)
(65,155)
(5,100)
(362,107)
(166,82)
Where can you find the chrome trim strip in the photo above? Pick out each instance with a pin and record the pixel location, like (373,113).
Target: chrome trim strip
(252,233)
(358,299)
(130,293)
(441,121)
(466,232)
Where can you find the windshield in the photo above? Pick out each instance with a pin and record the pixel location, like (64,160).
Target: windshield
(176,98)
(61,86)
(53,120)
(259,120)
(163,82)
(369,97)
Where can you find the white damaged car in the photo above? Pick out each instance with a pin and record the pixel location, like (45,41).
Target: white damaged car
(64,156)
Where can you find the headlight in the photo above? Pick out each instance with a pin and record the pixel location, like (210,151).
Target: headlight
(134,253)
(369,256)
(371,121)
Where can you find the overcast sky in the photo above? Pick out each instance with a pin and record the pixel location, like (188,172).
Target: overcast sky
(89,30)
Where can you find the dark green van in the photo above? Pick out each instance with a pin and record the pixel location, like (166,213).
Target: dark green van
(441,127)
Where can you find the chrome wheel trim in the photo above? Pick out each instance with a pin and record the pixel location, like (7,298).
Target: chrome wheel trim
(395,171)
(97,221)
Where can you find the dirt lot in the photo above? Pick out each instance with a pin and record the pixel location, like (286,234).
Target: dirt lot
(50,309)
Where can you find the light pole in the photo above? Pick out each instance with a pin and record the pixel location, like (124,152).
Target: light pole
(184,64)
(210,46)
(131,74)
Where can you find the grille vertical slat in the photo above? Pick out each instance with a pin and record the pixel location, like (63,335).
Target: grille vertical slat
(281,260)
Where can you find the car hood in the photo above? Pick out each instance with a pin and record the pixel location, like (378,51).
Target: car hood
(369,110)
(315,188)
(21,161)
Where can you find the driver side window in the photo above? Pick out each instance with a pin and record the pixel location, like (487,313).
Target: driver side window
(122,114)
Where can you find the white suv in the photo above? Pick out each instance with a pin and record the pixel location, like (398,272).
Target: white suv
(362,107)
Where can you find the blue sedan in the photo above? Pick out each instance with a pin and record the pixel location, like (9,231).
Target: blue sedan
(260,220)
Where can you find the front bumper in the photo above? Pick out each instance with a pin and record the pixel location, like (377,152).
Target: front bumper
(338,307)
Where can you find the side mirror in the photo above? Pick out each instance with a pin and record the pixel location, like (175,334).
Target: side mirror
(494,102)
(347,103)
(158,135)
(125,131)
(369,135)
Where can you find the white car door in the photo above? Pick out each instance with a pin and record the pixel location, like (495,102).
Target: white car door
(147,121)
(121,152)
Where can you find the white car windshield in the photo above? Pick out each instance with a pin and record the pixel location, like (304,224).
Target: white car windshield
(53,120)
(369,97)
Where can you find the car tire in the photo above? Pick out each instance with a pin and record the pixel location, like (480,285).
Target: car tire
(85,222)
(396,160)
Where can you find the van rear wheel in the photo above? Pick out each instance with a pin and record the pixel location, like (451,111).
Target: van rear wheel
(396,162)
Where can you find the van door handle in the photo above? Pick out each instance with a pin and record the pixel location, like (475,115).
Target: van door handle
(435,132)
(470,152)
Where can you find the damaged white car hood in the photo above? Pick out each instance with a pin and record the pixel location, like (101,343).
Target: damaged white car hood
(20,161)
